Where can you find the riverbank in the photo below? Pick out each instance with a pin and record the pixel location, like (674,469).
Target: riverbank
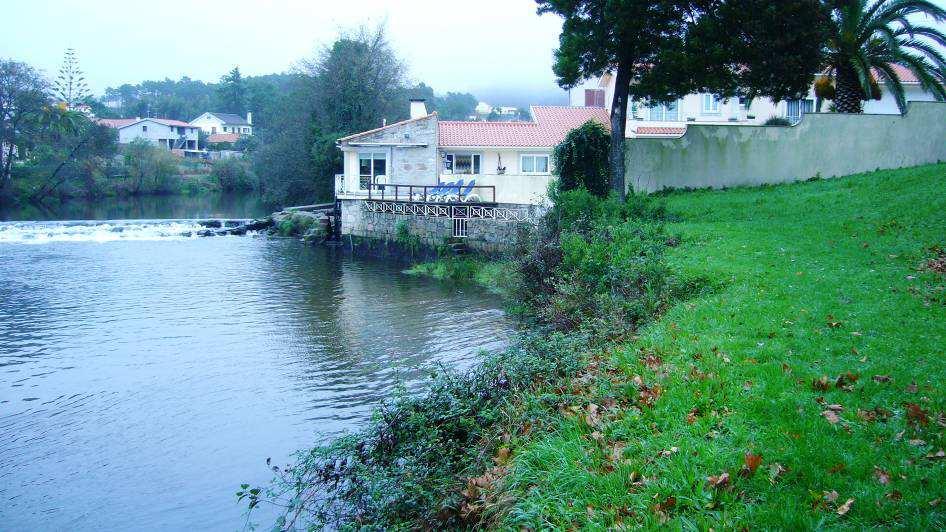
(789,379)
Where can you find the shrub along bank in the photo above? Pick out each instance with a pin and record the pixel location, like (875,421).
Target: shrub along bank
(413,464)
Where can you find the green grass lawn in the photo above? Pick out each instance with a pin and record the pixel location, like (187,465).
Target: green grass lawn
(818,346)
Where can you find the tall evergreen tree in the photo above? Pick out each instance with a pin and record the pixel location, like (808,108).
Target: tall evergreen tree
(70,86)
(231,93)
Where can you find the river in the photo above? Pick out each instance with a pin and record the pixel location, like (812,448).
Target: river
(144,376)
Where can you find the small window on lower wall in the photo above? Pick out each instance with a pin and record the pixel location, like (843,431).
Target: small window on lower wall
(534,164)
(460,227)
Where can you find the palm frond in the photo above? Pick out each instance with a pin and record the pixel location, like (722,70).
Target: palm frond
(893,83)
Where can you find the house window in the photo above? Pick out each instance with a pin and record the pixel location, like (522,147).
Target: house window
(460,228)
(665,112)
(224,129)
(710,104)
(594,97)
(795,109)
(461,163)
(213,130)
(370,167)
(534,164)
(144,128)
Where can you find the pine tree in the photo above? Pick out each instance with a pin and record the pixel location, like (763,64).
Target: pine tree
(70,87)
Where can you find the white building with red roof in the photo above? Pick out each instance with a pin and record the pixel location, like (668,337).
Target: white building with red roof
(444,178)
(507,162)
(166,133)
(645,120)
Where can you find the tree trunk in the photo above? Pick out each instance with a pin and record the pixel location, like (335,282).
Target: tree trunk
(622,83)
(849,93)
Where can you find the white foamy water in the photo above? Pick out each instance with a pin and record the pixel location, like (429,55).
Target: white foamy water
(97,231)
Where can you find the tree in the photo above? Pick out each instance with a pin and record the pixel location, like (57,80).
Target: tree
(664,49)
(456,106)
(23,99)
(581,159)
(869,37)
(231,93)
(70,86)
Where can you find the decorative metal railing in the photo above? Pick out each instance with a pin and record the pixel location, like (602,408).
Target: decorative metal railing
(456,212)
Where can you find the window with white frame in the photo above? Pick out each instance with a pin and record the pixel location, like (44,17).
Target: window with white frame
(796,109)
(461,163)
(370,166)
(710,104)
(665,112)
(534,163)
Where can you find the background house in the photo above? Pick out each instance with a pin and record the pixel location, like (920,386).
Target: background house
(646,120)
(170,134)
(212,122)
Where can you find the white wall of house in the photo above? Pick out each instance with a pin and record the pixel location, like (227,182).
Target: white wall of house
(210,124)
(157,133)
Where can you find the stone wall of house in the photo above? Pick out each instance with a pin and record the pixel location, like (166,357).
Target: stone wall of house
(410,164)
(487,236)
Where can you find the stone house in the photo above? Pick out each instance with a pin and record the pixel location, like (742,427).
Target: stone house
(498,172)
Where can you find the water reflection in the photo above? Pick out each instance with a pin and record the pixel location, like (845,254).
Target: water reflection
(142,381)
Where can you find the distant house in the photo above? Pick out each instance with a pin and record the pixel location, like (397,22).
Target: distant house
(670,120)
(212,123)
(170,134)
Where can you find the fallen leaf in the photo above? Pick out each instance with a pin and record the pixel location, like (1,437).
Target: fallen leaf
(831,496)
(935,502)
(881,378)
(866,415)
(940,454)
(915,414)
(751,462)
(502,456)
(718,481)
(832,322)
(911,388)
(668,452)
(917,442)
(831,416)
(835,407)
(666,505)
(894,495)
(836,468)
(821,384)
(882,476)
(846,379)
(693,415)
(776,470)
(846,507)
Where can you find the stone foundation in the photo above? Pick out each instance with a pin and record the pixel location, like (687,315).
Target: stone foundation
(486,236)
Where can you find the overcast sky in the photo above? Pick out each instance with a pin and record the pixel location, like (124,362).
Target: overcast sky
(466,46)
(492,48)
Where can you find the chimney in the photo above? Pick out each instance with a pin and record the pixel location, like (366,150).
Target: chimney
(418,108)
(249,118)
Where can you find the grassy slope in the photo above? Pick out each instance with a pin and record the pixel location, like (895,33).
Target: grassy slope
(809,280)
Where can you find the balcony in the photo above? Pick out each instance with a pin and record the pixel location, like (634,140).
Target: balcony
(521,189)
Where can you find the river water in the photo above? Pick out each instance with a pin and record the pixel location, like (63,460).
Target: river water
(144,376)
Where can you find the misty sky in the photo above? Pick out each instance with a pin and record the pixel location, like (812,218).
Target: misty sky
(466,46)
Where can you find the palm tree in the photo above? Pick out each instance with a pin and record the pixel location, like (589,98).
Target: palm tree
(869,37)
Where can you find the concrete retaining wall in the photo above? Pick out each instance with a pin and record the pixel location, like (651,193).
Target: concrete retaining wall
(826,144)
(488,236)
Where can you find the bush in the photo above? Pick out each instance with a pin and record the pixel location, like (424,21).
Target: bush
(777,121)
(233,174)
(581,160)
(150,169)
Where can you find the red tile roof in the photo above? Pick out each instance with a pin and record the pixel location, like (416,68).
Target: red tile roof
(660,130)
(119,123)
(115,122)
(549,127)
(905,74)
(223,137)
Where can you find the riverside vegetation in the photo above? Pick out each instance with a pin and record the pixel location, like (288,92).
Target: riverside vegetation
(758,357)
